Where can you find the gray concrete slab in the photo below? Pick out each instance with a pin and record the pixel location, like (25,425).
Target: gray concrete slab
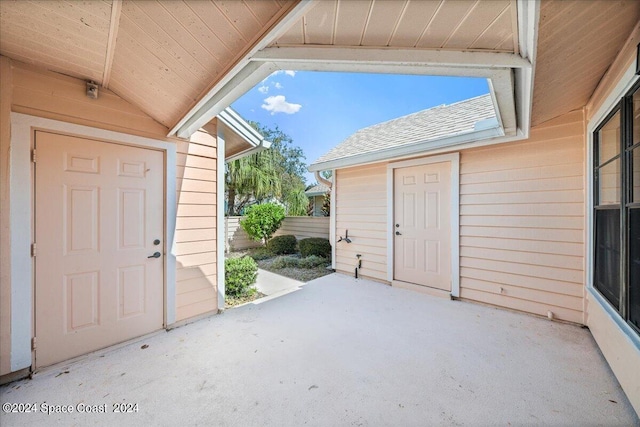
(341,352)
(274,284)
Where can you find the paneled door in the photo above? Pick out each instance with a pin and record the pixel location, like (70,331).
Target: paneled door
(99,219)
(422,225)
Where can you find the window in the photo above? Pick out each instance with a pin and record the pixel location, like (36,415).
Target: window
(617,208)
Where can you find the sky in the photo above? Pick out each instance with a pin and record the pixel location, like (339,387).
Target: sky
(318,110)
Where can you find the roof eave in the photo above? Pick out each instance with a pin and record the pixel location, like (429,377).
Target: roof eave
(423,147)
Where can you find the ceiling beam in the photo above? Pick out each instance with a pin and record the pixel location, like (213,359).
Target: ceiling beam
(207,108)
(364,56)
(114,24)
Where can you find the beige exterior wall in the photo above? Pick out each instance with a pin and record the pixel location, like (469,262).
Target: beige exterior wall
(30,90)
(305,226)
(236,238)
(522,221)
(622,354)
(361,208)
(300,226)
(195,248)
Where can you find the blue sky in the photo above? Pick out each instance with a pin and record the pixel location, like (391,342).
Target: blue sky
(320,109)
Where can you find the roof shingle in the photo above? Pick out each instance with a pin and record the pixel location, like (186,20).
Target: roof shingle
(424,126)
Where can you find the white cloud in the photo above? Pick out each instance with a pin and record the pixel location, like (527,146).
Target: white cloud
(263,89)
(277,85)
(291,73)
(279,104)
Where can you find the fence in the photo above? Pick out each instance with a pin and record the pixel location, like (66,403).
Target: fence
(300,226)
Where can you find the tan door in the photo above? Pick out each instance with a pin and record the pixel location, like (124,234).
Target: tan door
(99,207)
(422,225)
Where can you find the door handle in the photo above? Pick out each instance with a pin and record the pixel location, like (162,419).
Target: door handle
(155,255)
(398,233)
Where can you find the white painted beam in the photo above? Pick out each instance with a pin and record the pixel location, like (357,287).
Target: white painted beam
(364,56)
(114,24)
(230,87)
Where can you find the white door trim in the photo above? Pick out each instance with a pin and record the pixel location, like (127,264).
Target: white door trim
(21,186)
(454,159)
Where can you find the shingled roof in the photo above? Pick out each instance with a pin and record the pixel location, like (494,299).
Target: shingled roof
(434,124)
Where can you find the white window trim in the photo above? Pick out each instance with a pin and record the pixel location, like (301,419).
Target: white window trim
(454,159)
(21,214)
(624,85)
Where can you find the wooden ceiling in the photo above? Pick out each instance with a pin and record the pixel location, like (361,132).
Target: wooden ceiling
(447,24)
(577,41)
(159,55)
(164,56)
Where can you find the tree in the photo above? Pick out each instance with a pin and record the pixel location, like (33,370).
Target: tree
(276,173)
(261,221)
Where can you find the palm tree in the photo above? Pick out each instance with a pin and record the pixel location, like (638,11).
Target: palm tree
(255,175)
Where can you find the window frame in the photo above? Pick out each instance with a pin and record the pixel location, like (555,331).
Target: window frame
(624,105)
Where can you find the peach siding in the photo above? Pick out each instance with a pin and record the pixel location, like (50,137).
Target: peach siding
(237,238)
(620,352)
(361,207)
(31,90)
(195,247)
(305,226)
(522,221)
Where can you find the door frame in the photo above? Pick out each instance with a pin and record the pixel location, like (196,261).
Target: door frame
(454,160)
(23,128)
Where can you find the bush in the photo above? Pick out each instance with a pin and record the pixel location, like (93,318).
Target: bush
(258,254)
(239,276)
(280,245)
(285,261)
(315,246)
(312,261)
(261,221)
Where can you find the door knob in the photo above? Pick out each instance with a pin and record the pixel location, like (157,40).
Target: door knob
(155,255)
(398,233)
(156,242)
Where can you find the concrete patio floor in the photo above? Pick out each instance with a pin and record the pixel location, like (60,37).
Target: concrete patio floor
(341,352)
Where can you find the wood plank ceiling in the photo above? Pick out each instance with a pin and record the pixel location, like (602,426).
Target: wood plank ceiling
(447,24)
(577,41)
(159,55)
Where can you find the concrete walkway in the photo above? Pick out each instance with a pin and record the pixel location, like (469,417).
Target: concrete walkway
(341,352)
(272,284)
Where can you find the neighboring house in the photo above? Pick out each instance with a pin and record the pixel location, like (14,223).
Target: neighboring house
(317,195)
(542,200)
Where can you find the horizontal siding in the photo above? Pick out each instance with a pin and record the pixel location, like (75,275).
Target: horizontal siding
(522,222)
(305,226)
(361,208)
(236,238)
(195,238)
(300,226)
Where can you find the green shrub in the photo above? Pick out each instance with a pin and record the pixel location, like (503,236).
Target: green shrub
(239,276)
(285,261)
(281,245)
(312,261)
(260,253)
(261,221)
(315,246)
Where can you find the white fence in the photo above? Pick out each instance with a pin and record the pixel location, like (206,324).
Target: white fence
(300,226)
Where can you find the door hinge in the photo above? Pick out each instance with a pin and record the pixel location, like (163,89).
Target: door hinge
(33,343)
(33,249)
(33,155)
